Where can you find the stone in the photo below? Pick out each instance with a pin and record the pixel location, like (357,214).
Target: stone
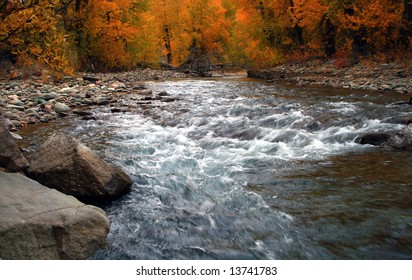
(374,138)
(48,96)
(15,123)
(402,140)
(11,157)
(65,164)
(162,93)
(405,120)
(7,122)
(82,113)
(15,107)
(16,102)
(40,223)
(60,107)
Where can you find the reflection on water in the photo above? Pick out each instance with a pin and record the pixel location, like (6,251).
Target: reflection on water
(239,169)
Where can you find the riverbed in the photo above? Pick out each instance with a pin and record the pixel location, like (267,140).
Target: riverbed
(238,168)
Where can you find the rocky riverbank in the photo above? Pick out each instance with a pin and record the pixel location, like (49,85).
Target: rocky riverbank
(29,101)
(384,77)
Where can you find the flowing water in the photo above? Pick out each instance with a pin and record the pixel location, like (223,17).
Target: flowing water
(242,169)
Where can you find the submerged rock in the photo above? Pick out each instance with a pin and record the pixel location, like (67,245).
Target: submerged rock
(63,163)
(41,223)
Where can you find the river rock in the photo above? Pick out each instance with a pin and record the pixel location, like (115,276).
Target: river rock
(11,158)
(65,164)
(401,140)
(61,108)
(374,138)
(37,222)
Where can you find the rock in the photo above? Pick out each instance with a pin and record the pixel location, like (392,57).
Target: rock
(82,113)
(405,120)
(15,107)
(9,125)
(16,102)
(162,93)
(168,99)
(116,110)
(88,118)
(48,96)
(65,164)
(15,123)
(41,223)
(373,138)
(11,157)
(91,79)
(401,140)
(61,108)
(144,92)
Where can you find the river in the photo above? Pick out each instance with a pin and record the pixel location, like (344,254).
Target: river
(242,169)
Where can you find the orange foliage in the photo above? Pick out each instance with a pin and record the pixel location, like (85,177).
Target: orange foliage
(30,31)
(380,21)
(120,34)
(110,32)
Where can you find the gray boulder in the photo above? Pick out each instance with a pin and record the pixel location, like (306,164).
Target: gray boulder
(401,140)
(63,163)
(11,158)
(37,222)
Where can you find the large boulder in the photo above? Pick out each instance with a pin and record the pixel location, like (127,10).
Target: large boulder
(63,163)
(37,222)
(401,140)
(11,158)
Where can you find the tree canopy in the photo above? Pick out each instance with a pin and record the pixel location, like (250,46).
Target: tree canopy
(67,35)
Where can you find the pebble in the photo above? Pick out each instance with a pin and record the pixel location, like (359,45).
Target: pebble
(32,100)
(388,77)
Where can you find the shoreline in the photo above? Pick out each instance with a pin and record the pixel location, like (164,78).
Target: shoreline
(31,100)
(376,77)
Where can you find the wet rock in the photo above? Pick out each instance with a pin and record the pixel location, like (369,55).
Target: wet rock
(401,140)
(144,92)
(162,93)
(11,157)
(65,164)
(115,110)
(39,223)
(82,113)
(373,138)
(405,120)
(88,118)
(169,99)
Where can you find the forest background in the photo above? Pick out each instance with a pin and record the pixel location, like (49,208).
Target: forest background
(64,36)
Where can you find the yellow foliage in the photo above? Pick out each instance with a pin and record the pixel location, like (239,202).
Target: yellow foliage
(29,30)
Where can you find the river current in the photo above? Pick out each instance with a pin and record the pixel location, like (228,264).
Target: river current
(242,169)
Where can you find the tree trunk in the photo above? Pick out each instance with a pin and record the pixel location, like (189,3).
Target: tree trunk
(359,44)
(168,45)
(297,30)
(407,10)
(330,44)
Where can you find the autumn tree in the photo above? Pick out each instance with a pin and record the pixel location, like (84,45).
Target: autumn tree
(31,32)
(374,26)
